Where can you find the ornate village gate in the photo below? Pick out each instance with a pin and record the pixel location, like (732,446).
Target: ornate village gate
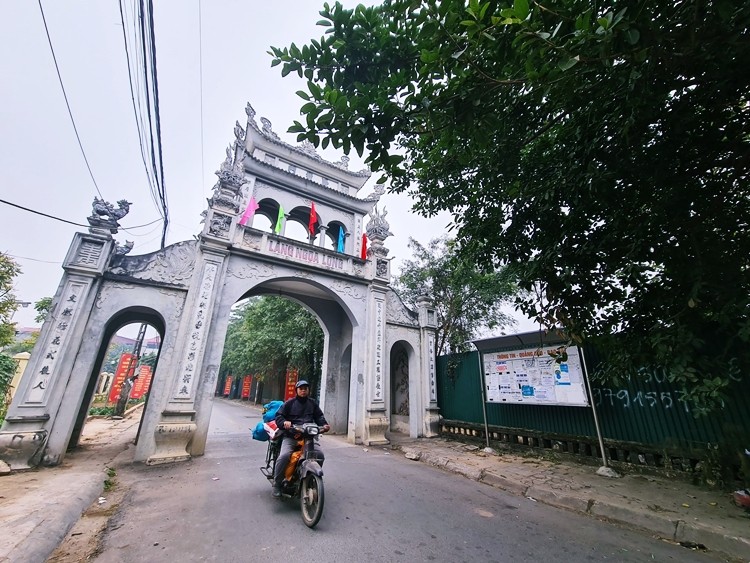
(378,365)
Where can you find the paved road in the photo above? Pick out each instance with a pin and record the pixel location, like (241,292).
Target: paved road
(379,507)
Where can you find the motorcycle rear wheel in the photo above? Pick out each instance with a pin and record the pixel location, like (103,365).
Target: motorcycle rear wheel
(311,499)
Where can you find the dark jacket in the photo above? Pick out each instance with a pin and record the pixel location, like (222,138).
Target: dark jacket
(299,411)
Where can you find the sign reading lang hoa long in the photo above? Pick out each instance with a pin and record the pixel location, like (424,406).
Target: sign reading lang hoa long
(308,255)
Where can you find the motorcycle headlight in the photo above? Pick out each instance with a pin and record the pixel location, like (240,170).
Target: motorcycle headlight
(313,430)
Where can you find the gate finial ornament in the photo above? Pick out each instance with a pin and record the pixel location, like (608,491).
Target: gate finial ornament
(104,215)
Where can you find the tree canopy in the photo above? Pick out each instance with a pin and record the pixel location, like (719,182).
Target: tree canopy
(267,335)
(466,299)
(599,149)
(9,269)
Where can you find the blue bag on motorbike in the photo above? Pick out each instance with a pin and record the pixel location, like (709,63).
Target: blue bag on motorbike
(259,433)
(270,410)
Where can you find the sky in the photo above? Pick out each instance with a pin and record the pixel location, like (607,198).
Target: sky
(211,61)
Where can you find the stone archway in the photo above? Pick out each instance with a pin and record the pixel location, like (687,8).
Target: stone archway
(189,287)
(129,316)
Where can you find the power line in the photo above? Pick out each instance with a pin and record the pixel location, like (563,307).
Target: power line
(65,220)
(70,113)
(148,121)
(33,259)
(163,192)
(138,121)
(135,71)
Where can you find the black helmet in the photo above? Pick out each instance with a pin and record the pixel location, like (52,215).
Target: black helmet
(300,383)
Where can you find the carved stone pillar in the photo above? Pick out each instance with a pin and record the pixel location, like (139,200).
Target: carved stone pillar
(428,326)
(175,431)
(35,409)
(376,419)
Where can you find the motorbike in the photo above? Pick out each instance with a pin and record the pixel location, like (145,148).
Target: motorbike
(306,482)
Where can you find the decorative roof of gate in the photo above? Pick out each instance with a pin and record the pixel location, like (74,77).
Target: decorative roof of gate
(305,148)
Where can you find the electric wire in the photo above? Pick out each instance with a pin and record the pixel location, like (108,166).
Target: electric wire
(139,92)
(157,118)
(65,220)
(144,88)
(33,259)
(136,106)
(67,104)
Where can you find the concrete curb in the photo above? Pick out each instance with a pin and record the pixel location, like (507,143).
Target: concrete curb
(661,525)
(48,527)
(36,525)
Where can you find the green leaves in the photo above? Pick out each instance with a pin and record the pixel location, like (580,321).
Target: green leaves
(268,335)
(466,298)
(600,155)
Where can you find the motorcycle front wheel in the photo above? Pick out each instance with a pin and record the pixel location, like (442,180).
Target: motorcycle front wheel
(311,499)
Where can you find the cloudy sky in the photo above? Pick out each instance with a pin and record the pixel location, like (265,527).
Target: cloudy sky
(211,60)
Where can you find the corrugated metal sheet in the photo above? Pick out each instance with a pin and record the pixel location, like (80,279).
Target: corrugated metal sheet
(649,411)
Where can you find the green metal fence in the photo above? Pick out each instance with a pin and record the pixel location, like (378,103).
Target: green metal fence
(649,412)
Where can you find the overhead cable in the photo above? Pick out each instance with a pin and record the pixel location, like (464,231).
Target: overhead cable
(70,113)
(65,220)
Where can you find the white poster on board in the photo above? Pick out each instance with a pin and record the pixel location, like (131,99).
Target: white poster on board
(533,377)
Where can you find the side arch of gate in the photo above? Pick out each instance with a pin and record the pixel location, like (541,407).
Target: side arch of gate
(117,303)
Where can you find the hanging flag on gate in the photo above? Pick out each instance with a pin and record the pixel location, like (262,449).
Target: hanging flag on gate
(313,219)
(364,246)
(252,207)
(340,245)
(279,220)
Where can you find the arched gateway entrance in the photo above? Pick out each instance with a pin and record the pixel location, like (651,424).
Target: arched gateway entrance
(187,290)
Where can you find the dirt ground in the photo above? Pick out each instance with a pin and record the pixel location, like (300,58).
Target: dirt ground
(83,541)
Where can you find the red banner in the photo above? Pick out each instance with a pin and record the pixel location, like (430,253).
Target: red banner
(246,384)
(228,386)
(120,374)
(291,381)
(142,383)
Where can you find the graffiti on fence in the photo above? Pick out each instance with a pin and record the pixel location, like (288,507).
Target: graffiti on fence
(632,399)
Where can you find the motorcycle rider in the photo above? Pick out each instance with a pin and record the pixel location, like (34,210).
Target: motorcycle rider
(295,412)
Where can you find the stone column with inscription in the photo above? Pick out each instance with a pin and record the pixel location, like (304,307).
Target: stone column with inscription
(377,416)
(35,407)
(428,326)
(178,433)
(177,428)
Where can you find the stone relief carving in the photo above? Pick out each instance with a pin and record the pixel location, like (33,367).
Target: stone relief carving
(343,163)
(89,253)
(219,226)
(344,288)
(251,240)
(239,132)
(267,130)
(381,268)
(303,274)
(376,193)
(249,271)
(397,312)
(173,265)
(103,294)
(401,383)
(122,250)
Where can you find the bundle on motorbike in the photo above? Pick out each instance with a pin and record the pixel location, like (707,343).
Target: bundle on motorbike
(303,477)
